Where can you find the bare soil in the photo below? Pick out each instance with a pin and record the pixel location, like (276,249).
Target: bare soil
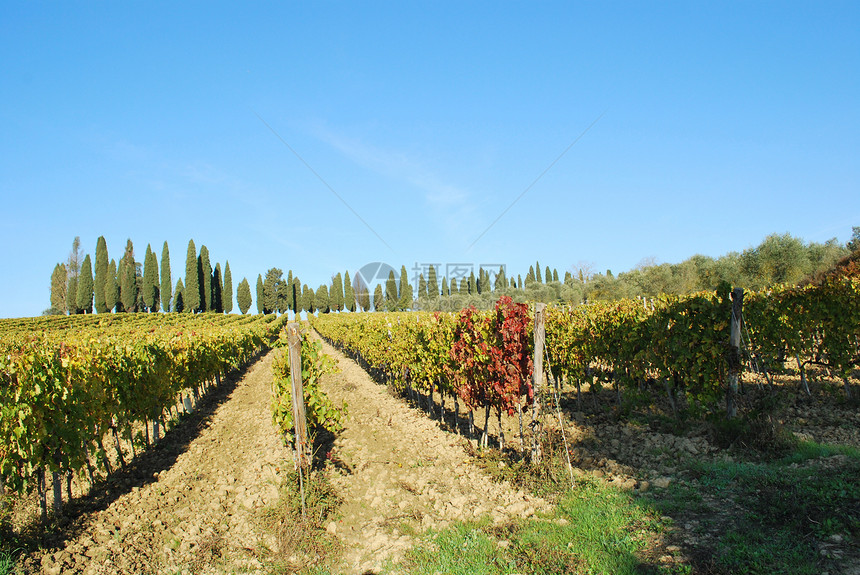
(191,504)
(399,474)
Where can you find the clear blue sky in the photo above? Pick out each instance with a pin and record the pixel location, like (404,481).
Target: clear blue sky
(719,123)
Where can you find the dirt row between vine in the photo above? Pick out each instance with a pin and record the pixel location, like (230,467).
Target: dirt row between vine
(400,474)
(193,502)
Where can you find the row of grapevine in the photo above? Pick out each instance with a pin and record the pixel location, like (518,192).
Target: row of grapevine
(817,324)
(480,358)
(682,343)
(676,344)
(321,411)
(67,382)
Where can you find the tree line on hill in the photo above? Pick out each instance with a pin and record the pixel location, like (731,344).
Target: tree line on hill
(778,259)
(129,286)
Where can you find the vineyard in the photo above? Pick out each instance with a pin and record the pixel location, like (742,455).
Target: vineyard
(73,387)
(673,347)
(83,395)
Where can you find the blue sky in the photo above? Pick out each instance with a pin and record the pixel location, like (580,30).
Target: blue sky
(716,124)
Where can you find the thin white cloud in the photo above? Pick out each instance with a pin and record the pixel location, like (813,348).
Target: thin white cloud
(452,207)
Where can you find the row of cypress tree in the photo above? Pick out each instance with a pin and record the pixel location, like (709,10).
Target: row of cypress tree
(128,285)
(278,294)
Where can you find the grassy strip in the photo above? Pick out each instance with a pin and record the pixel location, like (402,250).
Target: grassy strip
(303,544)
(781,516)
(769,517)
(593,528)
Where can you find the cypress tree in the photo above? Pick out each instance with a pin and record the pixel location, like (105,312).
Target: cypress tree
(58,289)
(432,282)
(179,297)
(150,280)
(378,300)
(85,287)
(567,277)
(321,299)
(59,284)
(111,287)
(101,275)
(554,274)
(73,267)
(537,275)
(282,289)
(473,288)
(310,299)
(204,271)
(62,286)
(391,295)
(365,298)
(296,294)
(454,288)
(227,293)
(191,296)
(300,295)
(501,281)
(362,297)
(166,280)
(548,275)
(128,280)
(138,283)
(120,271)
(362,293)
(530,277)
(243,296)
(217,290)
(422,286)
(291,296)
(405,299)
(348,293)
(336,294)
(270,290)
(260,293)
(72,295)
(302,298)
(519,281)
(445,287)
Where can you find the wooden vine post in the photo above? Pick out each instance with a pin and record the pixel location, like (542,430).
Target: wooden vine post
(294,341)
(734,353)
(540,338)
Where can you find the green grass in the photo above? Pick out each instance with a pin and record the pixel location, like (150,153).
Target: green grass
(594,528)
(779,509)
(7,562)
(811,450)
(304,546)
